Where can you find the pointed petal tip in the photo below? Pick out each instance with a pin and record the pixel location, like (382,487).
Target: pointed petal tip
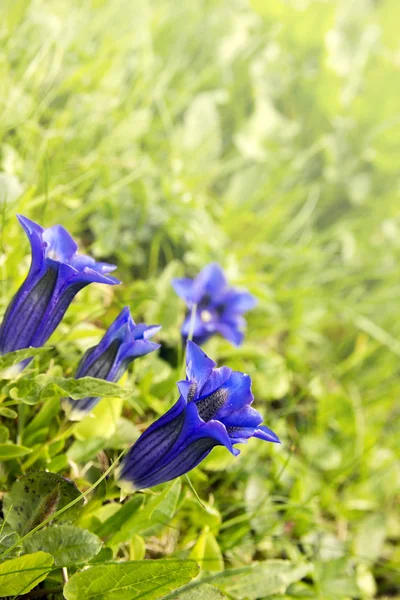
(92,275)
(182,287)
(151,330)
(264,433)
(28,225)
(198,365)
(184,387)
(125,316)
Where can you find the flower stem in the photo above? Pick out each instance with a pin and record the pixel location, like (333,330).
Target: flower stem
(192,322)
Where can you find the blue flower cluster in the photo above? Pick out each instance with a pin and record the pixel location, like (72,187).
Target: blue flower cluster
(213,306)
(213,408)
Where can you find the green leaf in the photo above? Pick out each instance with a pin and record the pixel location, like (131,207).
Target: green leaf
(8,537)
(38,495)
(337,580)
(261,579)
(370,536)
(42,419)
(121,518)
(102,419)
(207,553)
(149,579)
(105,555)
(87,386)
(8,413)
(218,460)
(26,390)
(66,543)
(50,391)
(84,450)
(14,358)
(202,592)
(4,434)
(157,512)
(160,509)
(137,548)
(20,575)
(10,451)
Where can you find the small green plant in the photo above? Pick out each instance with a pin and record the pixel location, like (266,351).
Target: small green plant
(167,136)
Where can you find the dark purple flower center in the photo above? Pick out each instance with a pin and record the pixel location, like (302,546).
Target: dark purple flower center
(192,391)
(209,406)
(204,302)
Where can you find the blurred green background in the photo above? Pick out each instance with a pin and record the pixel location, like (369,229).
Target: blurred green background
(264,135)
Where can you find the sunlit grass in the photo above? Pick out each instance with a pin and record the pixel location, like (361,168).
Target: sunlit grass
(263,136)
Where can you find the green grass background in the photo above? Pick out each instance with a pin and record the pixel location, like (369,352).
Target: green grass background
(263,135)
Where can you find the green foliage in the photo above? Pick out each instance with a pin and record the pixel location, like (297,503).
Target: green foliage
(9,451)
(130,580)
(262,579)
(68,545)
(8,537)
(203,592)
(163,136)
(207,553)
(12,359)
(20,575)
(38,496)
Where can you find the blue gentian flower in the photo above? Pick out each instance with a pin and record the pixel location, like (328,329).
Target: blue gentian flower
(122,343)
(219,308)
(56,275)
(213,410)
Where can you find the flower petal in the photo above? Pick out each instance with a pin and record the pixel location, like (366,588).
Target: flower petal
(217,378)
(209,282)
(239,395)
(184,387)
(246,416)
(239,302)
(183,287)
(195,428)
(26,313)
(143,331)
(81,262)
(34,233)
(198,366)
(194,453)
(60,245)
(266,434)
(89,275)
(149,451)
(55,312)
(230,331)
(76,410)
(131,350)
(29,226)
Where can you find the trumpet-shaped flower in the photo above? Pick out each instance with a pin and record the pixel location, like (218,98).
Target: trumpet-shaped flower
(218,307)
(213,410)
(122,343)
(56,275)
